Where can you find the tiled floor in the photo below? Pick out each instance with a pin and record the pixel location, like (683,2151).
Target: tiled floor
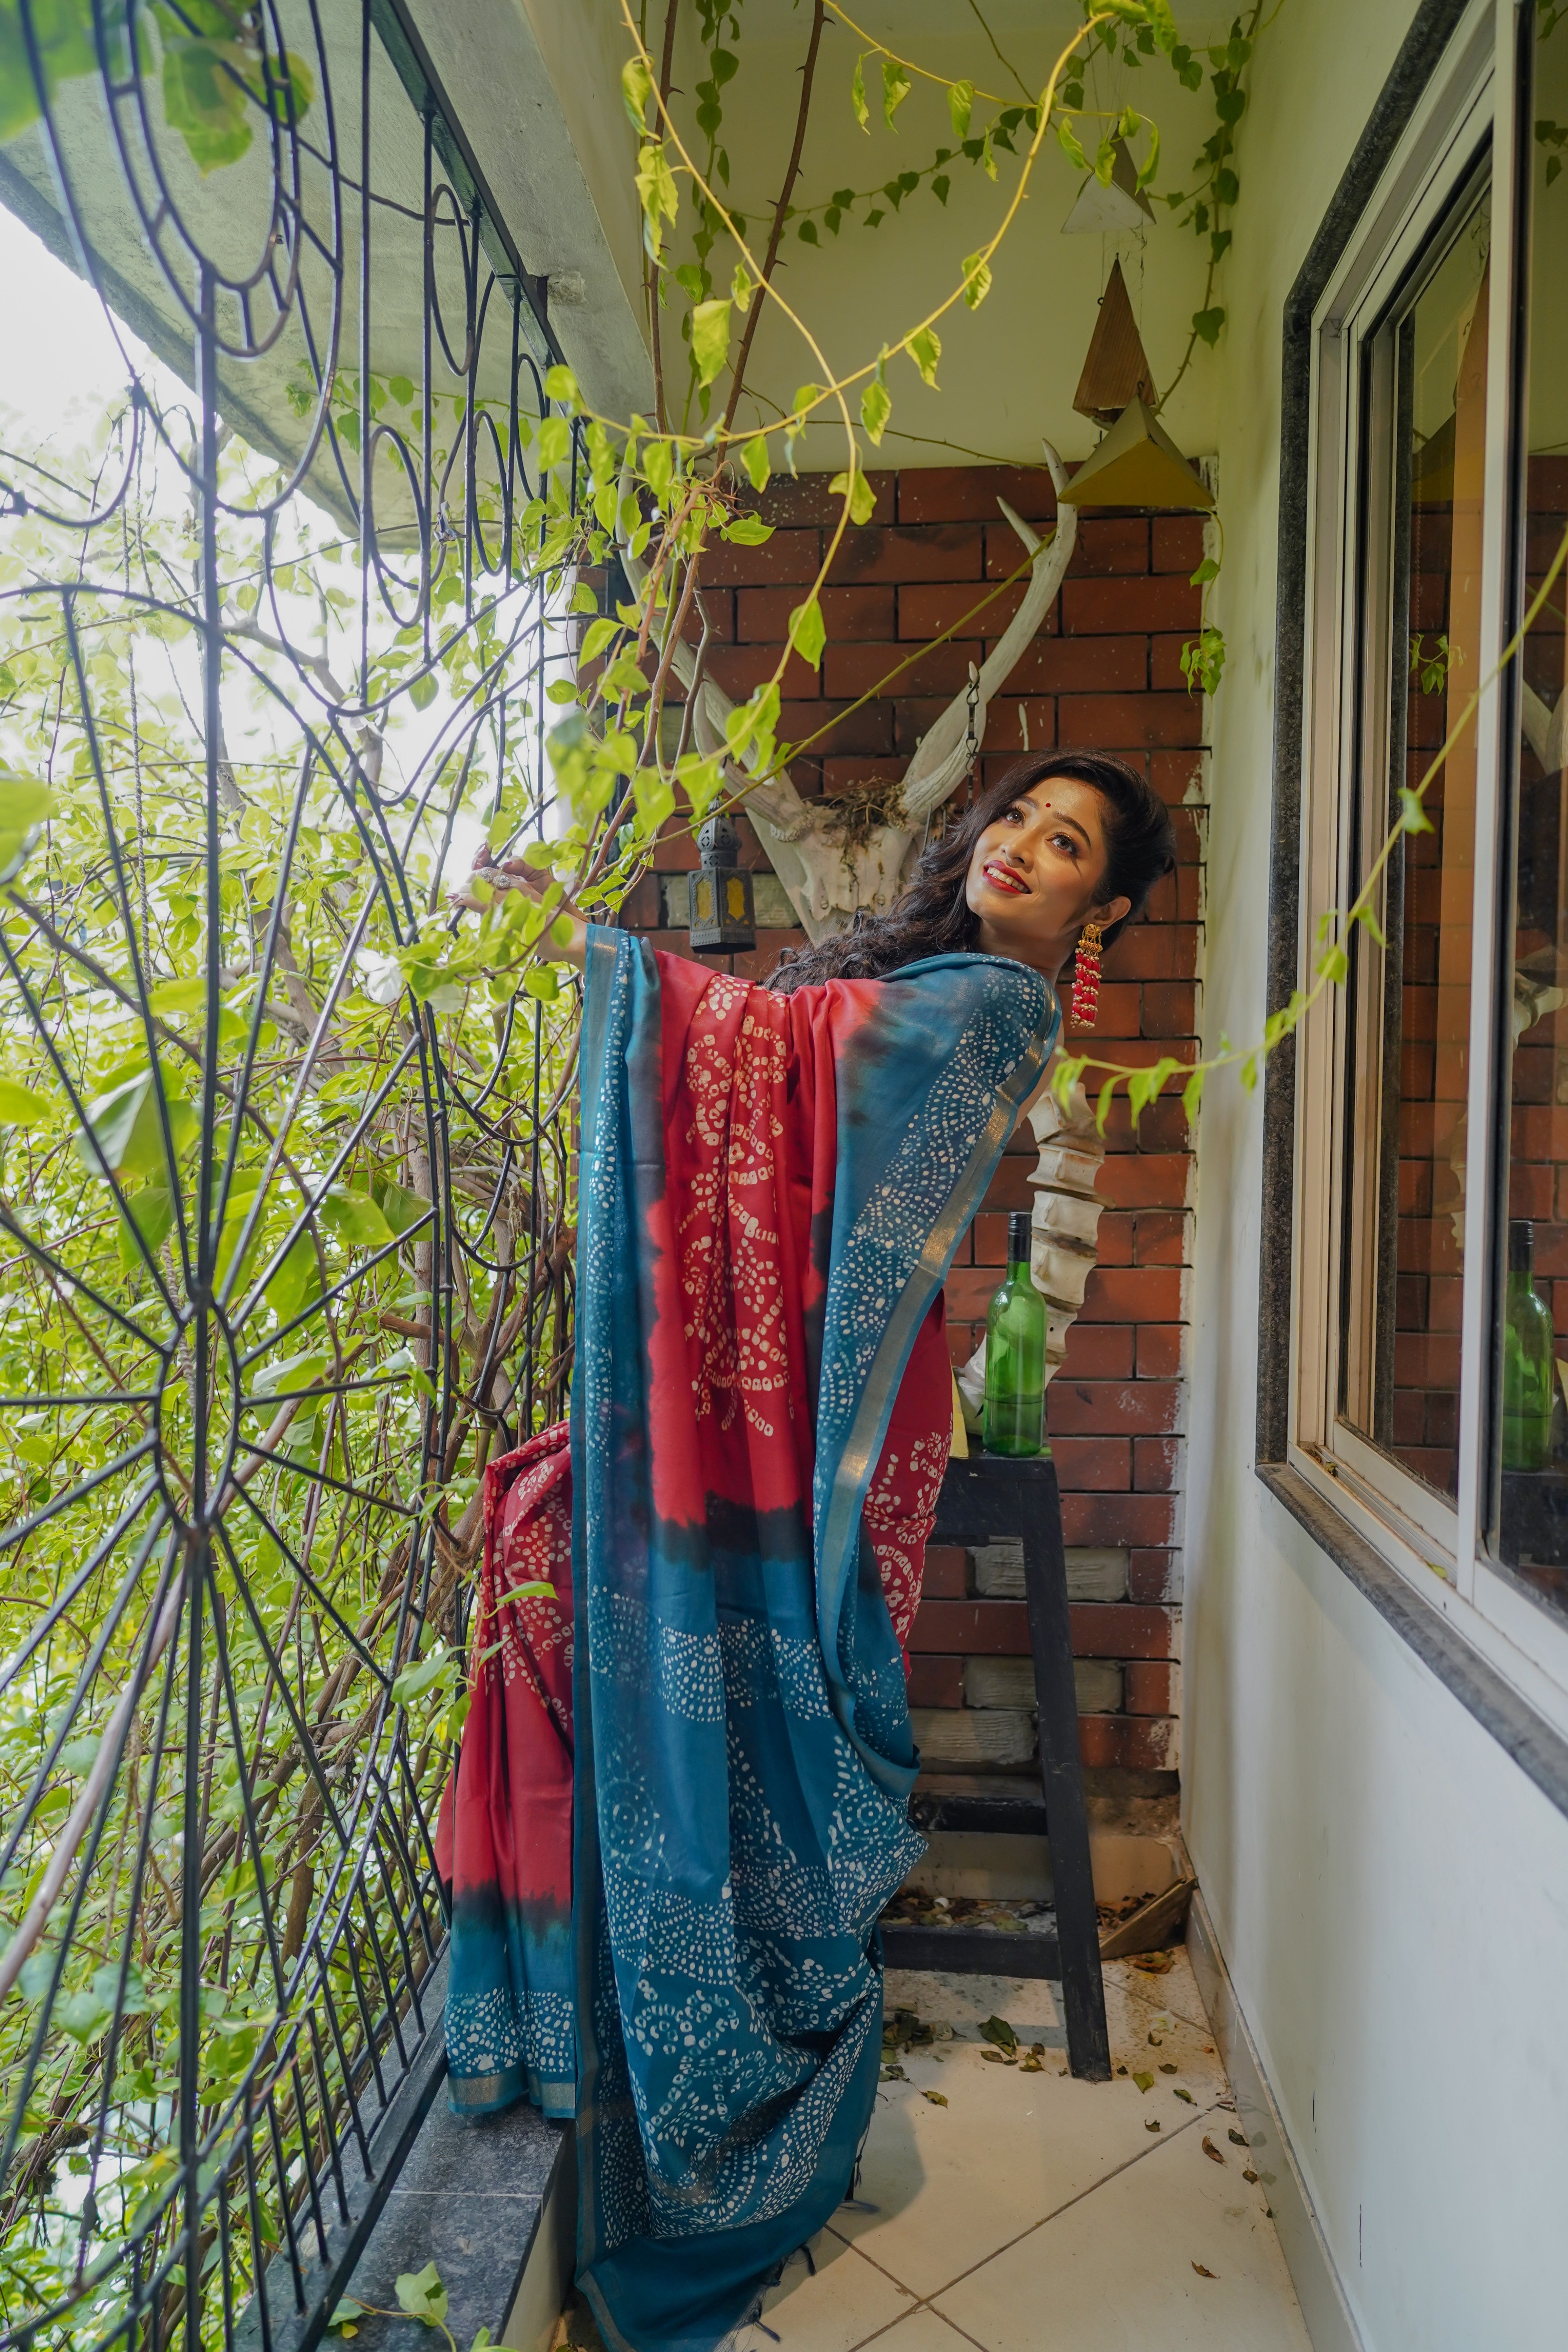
(1033,2213)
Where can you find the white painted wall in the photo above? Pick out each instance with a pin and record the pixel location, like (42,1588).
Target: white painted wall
(1391,1892)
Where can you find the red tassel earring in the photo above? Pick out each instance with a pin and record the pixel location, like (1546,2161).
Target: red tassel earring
(1086,977)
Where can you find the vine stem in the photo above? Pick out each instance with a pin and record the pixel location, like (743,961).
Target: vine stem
(1253,29)
(880,49)
(1291,1016)
(780,214)
(650,267)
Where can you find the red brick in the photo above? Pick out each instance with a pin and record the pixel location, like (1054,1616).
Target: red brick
(1156,1464)
(1165,671)
(642,909)
(971,1290)
(1120,1011)
(915,716)
(1080,665)
(969,493)
(1148,1743)
(1148,950)
(1160,1351)
(977,1629)
(834,729)
(990,1238)
(1153,1576)
(1152,1687)
(1003,737)
(1170,1009)
(1120,722)
(1147,1179)
(1120,1629)
(943,551)
(790,556)
(851,668)
(1098,1351)
(1092,1464)
(1137,1295)
(1117,545)
(946,1572)
(739,669)
(967,608)
(1128,1408)
(1140,1520)
(791,500)
(1091,606)
(1178,543)
(1009,1188)
(1174,774)
(1113,1240)
(1160,1238)
(936,1682)
(762,614)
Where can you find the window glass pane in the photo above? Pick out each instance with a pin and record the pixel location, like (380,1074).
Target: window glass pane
(1530,1426)
(1411,1002)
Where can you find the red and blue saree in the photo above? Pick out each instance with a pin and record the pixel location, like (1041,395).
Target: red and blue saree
(698,1675)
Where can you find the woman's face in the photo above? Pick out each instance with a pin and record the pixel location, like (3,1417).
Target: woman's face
(1036,875)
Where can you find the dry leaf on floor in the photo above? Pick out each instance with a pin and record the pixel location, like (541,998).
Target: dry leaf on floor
(1155,2040)
(894,2074)
(1153,2125)
(1030,2066)
(995,2058)
(1153,1964)
(998,2031)
(1238,2139)
(1181,2094)
(937,2098)
(1166,2068)
(1249,2174)
(1145,2083)
(1205,2273)
(1210,2149)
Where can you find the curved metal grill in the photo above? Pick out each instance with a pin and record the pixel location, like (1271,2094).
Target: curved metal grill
(284,1247)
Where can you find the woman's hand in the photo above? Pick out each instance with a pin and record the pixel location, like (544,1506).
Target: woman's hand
(516,874)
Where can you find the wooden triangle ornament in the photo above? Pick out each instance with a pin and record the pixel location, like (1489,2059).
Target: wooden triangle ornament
(1114,368)
(1112,210)
(1137,465)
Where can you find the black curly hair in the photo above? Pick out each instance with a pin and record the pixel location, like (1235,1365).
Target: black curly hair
(933,917)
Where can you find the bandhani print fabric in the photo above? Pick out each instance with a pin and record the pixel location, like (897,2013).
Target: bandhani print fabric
(771,1191)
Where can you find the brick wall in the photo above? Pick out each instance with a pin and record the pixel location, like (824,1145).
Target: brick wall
(1104,672)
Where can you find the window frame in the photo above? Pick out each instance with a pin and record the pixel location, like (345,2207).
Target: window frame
(1474,98)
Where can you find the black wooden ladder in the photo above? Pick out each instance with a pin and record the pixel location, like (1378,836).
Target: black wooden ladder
(990,1497)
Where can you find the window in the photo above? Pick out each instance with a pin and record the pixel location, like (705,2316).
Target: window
(1430,1333)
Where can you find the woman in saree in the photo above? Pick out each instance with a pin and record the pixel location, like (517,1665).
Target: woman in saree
(681,1803)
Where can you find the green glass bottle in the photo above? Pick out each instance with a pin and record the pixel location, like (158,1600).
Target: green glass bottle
(1014,1353)
(1528,1359)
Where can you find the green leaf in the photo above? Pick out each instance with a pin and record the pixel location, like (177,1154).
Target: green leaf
(894,90)
(153,1213)
(1103,1103)
(400,1208)
(356,1218)
(561,384)
(808,633)
(636,89)
(422,2295)
(1413,817)
(553,443)
(924,348)
(596,636)
(710,338)
(1370,925)
(125,1127)
(1000,2034)
(741,288)
(1145,2082)
(1152,165)
(960,103)
(1070,146)
(753,457)
(1206,571)
(423,690)
(857,96)
(977,279)
(1205,325)
(21,1105)
(539,980)
(658,466)
(1334,965)
(656,185)
(422,1674)
(862,496)
(750,530)
(23,802)
(876,408)
(1192,1093)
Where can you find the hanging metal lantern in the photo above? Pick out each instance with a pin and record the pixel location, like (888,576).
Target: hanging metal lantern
(722,915)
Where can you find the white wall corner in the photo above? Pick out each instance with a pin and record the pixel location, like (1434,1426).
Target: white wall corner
(1318,2291)
(536,89)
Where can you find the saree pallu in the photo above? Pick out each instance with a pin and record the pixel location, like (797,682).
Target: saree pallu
(771,1191)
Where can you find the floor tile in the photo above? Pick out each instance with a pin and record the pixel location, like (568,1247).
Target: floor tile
(1116,2271)
(952,2183)
(848,2300)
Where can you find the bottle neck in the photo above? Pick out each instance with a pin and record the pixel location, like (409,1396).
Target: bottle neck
(1019,1269)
